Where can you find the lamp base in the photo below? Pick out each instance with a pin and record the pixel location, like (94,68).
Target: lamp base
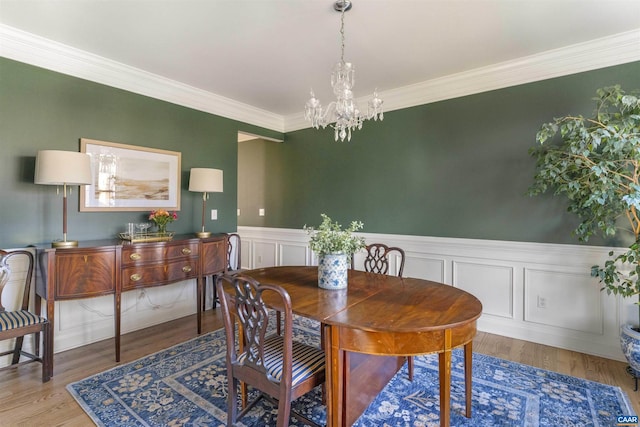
(203,234)
(64,244)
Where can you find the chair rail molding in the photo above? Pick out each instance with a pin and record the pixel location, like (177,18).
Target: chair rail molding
(525,288)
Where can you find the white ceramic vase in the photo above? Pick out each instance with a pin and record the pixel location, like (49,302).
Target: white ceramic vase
(630,343)
(333,271)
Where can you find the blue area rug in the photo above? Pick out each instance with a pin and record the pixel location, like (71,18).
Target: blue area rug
(186,386)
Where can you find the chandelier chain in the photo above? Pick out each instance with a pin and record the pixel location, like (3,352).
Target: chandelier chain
(344,6)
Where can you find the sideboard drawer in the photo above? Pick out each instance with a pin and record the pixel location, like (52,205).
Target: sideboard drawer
(183,249)
(158,274)
(144,253)
(83,273)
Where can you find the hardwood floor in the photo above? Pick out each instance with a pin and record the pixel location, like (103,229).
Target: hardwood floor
(28,402)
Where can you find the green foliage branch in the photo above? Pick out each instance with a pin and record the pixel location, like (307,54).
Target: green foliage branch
(595,163)
(330,238)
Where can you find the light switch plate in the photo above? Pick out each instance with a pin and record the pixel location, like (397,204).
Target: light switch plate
(214,214)
(261,212)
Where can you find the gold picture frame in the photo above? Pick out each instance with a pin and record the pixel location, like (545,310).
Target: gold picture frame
(130,178)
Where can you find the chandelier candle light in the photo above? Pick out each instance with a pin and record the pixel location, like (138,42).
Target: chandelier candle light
(344,113)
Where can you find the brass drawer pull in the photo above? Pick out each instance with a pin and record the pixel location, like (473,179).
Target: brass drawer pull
(186,251)
(135,277)
(186,268)
(135,256)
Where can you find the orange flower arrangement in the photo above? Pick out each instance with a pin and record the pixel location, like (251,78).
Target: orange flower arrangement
(161,218)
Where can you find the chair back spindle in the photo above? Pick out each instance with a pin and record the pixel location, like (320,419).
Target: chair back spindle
(281,368)
(254,319)
(377,258)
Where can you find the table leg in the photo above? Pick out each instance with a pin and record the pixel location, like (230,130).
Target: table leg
(334,371)
(468,366)
(444,367)
(346,373)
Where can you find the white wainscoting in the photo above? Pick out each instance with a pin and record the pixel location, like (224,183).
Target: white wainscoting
(536,292)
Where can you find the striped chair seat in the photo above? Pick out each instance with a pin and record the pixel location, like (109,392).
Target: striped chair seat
(307,360)
(18,319)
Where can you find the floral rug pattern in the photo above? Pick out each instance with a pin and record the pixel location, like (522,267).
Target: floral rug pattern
(186,386)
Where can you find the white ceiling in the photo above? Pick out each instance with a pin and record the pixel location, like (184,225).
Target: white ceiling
(268,53)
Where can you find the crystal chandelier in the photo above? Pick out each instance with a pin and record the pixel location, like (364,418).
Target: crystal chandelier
(344,115)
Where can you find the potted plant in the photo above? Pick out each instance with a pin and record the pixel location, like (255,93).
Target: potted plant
(334,247)
(595,163)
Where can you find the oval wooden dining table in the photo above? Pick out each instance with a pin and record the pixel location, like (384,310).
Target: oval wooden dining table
(370,327)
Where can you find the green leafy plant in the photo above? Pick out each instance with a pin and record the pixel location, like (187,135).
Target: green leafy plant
(595,163)
(330,238)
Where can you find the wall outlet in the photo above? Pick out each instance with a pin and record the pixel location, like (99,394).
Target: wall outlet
(261,212)
(542,302)
(238,212)
(214,214)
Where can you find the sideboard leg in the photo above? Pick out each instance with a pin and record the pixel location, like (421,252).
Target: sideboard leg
(116,304)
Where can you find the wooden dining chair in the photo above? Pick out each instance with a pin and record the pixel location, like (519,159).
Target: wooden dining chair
(16,324)
(279,367)
(233,263)
(377,258)
(377,261)
(234,254)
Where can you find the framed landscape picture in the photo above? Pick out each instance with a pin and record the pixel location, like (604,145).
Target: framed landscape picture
(130,178)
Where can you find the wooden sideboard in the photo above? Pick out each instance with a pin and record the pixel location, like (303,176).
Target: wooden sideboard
(110,267)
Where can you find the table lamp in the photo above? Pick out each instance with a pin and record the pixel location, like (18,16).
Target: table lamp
(207,181)
(54,167)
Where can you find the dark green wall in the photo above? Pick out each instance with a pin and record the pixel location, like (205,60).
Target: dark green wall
(456,168)
(40,109)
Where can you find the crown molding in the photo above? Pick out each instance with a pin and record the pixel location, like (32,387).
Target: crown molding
(34,50)
(31,49)
(600,53)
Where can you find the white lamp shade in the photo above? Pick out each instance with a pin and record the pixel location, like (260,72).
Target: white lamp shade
(205,180)
(54,167)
